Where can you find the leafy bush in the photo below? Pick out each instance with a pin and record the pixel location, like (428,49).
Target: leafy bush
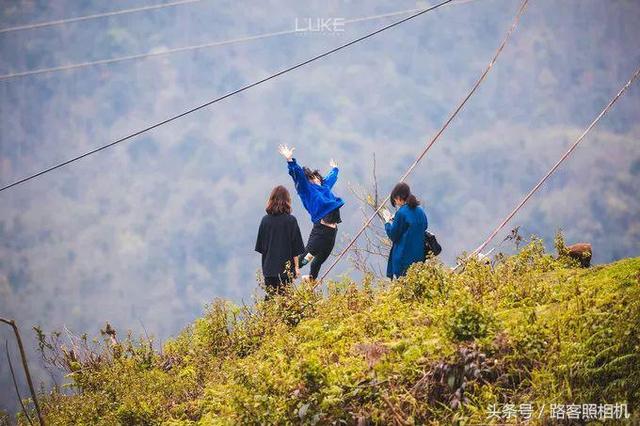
(433,347)
(468,322)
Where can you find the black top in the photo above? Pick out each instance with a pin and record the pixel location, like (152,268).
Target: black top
(333,217)
(279,241)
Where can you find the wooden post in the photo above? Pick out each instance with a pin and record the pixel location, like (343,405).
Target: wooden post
(25,365)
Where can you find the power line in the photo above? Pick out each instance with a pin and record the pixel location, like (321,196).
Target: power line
(455,112)
(556,165)
(165,52)
(142,55)
(242,89)
(95,16)
(392,14)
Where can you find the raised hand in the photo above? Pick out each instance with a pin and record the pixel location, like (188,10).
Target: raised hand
(286,152)
(333,163)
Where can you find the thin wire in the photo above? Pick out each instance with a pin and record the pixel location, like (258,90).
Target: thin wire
(556,165)
(455,112)
(401,12)
(95,16)
(242,89)
(164,52)
(142,55)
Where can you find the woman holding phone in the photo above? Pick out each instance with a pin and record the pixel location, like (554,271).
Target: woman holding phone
(406,230)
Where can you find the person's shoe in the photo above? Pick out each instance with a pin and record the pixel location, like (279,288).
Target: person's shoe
(308,258)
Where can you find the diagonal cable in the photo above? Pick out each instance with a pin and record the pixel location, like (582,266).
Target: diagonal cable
(171,51)
(435,138)
(94,16)
(206,104)
(556,165)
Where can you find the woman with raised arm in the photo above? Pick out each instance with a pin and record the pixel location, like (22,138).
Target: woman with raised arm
(280,243)
(323,206)
(405,230)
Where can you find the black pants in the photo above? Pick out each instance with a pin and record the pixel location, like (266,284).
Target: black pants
(320,244)
(276,285)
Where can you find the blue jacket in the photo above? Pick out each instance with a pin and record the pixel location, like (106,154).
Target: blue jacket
(317,199)
(407,234)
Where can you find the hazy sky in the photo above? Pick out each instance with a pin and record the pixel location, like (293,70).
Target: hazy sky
(151,230)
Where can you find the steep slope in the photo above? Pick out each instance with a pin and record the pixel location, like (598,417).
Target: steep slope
(491,344)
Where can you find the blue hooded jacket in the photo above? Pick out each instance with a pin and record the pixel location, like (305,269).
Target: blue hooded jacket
(317,199)
(407,234)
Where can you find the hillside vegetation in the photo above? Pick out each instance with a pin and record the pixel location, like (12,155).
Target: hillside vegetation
(435,347)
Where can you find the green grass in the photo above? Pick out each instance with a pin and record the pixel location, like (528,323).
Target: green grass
(435,347)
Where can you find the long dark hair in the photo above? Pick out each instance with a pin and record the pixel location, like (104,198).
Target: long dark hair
(310,174)
(279,201)
(403,192)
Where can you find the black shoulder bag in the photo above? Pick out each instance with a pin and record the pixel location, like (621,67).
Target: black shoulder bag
(431,245)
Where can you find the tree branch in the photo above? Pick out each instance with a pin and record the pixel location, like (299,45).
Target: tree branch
(25,366)
(15,383)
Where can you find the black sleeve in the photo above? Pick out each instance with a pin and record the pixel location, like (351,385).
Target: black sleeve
(260,239)
(297,245)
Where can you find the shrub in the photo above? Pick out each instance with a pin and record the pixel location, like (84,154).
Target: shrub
(422,282)
(435,347)
(468,321)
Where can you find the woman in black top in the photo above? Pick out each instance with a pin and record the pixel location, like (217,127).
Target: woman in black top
(280,242)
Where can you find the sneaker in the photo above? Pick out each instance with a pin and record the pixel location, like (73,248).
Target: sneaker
(304,260)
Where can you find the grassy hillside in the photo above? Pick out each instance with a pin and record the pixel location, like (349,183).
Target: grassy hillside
(435,347)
